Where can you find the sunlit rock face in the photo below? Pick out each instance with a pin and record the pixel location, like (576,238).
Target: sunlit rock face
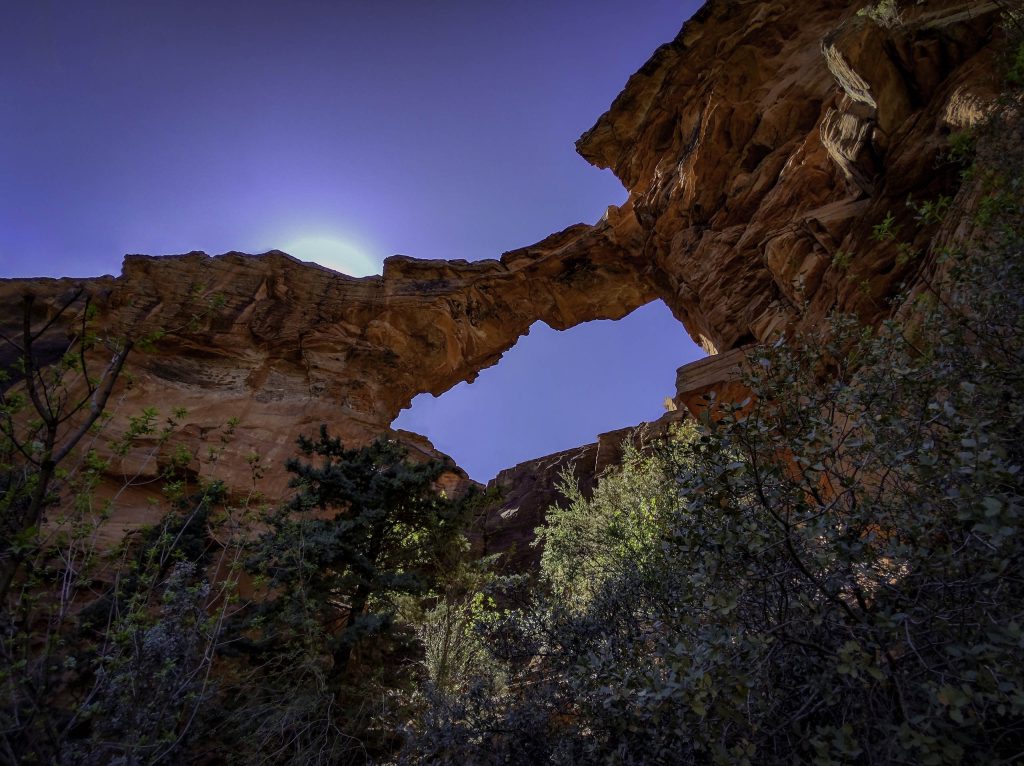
(760,148)
(769,137)
(283,346)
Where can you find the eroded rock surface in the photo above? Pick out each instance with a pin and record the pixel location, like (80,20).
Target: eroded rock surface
(761,148)
(764,143)
(284,346)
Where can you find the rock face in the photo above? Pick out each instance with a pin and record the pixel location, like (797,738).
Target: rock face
(761,149)
(284,346)
(768,138)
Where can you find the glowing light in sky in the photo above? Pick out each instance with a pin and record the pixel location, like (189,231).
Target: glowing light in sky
(335,254)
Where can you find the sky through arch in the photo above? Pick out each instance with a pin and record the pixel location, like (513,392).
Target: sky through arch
(555,390)
(338,130)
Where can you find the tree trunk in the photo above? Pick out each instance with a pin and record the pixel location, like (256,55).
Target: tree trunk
(343,654)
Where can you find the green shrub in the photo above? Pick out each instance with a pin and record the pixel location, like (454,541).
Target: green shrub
(885,13)
(836,578)
(592,541)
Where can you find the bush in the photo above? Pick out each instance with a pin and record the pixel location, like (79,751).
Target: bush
(592,541)
(835,576)
(328,657)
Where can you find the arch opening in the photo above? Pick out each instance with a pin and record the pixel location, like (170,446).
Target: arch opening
(555,390)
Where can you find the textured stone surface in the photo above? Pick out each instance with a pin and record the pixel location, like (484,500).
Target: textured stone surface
(768,137)
(716,377)
(284,346)
(760,147)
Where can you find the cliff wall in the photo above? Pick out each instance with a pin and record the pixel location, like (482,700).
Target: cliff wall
(767,138)
(761,148)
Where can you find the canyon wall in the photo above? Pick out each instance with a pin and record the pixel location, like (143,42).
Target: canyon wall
(761,148)
(769,137)
(281,346)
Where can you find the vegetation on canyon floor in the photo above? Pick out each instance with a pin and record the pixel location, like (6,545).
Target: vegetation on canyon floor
(827,572)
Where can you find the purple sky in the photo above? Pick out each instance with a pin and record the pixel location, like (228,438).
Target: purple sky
(437,130)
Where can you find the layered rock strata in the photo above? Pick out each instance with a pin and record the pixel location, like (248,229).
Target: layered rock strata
(763,145)
(283,346)
(762,148)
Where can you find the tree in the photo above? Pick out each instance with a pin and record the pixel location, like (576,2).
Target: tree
(837,576)
(56,379)
(365,527)
(66,399)
(356,554)
(103,658)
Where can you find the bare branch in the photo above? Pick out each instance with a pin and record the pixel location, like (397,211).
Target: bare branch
(98,402)
(60,312)
(29,363)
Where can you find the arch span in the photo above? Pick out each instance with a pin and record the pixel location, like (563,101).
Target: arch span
(557,390)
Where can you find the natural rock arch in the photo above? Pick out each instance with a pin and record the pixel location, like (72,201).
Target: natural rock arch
(555,390)
(750,212)
(285,346)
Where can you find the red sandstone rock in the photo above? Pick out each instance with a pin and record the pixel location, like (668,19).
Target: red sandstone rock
(760,147)
(768,137)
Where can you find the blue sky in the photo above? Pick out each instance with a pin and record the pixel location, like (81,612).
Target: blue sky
(347,132)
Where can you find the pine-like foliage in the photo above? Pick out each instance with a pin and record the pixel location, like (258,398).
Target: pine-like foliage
(365,527)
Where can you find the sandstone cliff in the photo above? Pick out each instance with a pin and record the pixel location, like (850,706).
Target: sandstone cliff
(760,148)
(289,345)
(769,137)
